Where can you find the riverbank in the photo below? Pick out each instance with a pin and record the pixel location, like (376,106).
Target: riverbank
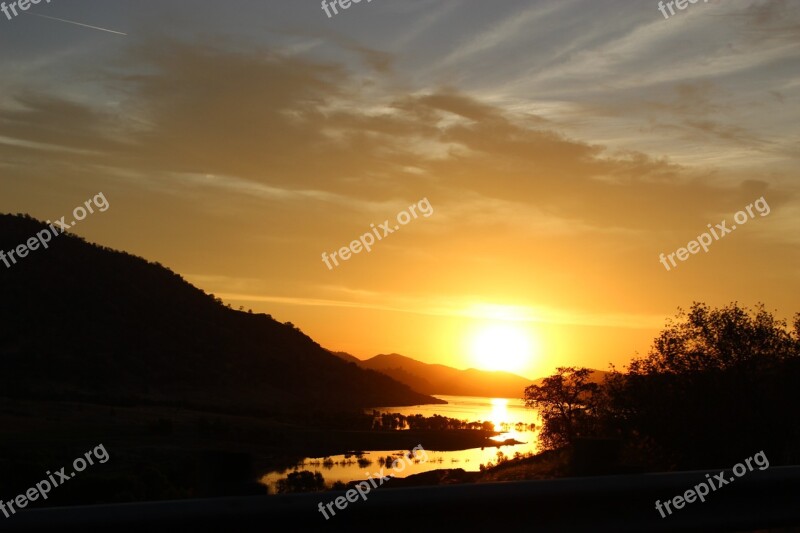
(168,452)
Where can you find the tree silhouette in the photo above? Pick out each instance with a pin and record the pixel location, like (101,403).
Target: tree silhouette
(303,481)
(564,401)
(716,385)
(707,339)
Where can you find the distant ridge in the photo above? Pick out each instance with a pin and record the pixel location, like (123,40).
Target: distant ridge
(81,321)
(444,380)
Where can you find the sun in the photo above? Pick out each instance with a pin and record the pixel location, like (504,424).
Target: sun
(503,346)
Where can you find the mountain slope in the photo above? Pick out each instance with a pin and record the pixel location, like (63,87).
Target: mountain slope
(84,321)
(445,380)
(347,357)
(441,379)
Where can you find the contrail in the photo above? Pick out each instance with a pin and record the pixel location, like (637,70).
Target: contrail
(73,22)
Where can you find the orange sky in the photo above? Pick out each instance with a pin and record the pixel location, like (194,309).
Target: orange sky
(559,162)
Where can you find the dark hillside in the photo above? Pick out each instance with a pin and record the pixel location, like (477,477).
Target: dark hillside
(81,321)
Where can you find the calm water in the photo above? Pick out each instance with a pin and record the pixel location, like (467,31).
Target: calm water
(504,413)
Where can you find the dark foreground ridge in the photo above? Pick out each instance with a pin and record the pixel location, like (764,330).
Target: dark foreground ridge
(84,322)
(764,499)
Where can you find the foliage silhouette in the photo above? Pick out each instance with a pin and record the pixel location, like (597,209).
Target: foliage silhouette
(564,403)
(303,481)
(716,386)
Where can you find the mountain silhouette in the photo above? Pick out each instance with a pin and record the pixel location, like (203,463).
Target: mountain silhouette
(81,321)
(445,380)
(441,379)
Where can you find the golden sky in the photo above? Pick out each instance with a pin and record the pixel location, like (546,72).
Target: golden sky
(563,145)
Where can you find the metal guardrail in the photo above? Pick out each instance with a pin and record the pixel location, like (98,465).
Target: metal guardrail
(760,500)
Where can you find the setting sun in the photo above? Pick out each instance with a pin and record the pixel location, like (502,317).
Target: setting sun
(505,346)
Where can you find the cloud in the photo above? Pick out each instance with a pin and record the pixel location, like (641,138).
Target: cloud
(255,122)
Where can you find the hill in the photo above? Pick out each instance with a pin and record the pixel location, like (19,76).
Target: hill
(444,380)
(81,321)
(441,379)
(347,357)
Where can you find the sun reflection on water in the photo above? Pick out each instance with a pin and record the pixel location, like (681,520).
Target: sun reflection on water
(508,416)
(499,413)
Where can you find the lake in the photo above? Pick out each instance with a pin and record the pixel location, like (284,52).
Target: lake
(508,415)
